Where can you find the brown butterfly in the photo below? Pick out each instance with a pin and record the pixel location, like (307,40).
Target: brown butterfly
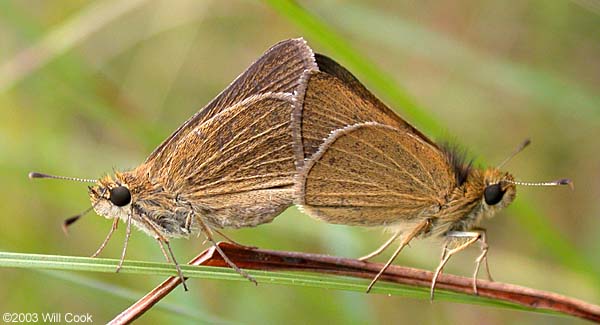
(360,164)
(230,165)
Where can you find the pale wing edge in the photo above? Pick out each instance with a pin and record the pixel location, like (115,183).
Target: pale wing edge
(301,177)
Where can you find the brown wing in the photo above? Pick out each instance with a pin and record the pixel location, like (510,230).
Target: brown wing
(333,98)
(277,70)
(374,175)
(237,167)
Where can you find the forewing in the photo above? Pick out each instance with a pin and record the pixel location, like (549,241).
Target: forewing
(278,70)
(237,166)
(374,175)
(333,98)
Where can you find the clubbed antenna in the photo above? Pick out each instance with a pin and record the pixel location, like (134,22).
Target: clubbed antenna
(73,219)
(564,181)
(33,175)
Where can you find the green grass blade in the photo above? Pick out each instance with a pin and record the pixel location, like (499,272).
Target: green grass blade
(131,295)
(88,264)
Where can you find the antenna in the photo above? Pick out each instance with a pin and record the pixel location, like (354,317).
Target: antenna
(523,145)
(564,181)
(33,175)
(515,152)
(73,219)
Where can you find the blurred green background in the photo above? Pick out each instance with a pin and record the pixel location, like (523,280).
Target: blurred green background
(86,87)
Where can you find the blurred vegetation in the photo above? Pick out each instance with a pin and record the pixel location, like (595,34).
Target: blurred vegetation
(86,87)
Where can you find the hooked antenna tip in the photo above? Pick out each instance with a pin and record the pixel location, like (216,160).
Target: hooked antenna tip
(566,181)
(68,222)
(33,175)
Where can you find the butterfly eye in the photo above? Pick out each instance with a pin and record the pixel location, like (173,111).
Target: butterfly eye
(493,194)
(120,196)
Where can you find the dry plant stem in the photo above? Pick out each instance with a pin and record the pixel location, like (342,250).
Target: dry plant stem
(259,259)
(141,306)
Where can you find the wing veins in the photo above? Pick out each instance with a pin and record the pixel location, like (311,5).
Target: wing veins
(376,163)
(398,167)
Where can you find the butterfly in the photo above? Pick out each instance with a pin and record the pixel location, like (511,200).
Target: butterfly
(360,164)
(230,165)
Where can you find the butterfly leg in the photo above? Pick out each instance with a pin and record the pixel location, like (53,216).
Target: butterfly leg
(162,242)
(482,258)
(177,267)
(162,249)
(188,226)
(127,236)
(188,223)
(472,236)
(421,227)
(208,234)
(114,227)
(381,248)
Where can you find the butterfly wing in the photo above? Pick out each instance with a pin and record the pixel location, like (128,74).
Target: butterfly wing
(277,70)
(330,99)
(237,168)
(372,174)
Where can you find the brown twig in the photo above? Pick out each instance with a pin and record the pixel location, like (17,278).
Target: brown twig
(260,259)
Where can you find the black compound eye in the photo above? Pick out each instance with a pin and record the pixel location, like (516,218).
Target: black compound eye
(120,196)
(493,194)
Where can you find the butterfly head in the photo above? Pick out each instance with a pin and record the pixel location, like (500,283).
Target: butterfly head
(112,197)
(499,189)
